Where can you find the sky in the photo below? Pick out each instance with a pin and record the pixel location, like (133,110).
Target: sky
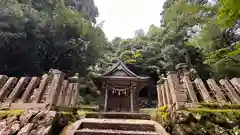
(123,17)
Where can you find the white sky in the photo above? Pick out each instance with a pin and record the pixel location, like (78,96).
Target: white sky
(123,17)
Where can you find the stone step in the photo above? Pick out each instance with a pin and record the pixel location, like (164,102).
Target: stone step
(118,126)
(111,132)
(93,126)
(116,115)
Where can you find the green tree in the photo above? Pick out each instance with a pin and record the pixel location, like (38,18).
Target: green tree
(229,12)
(37,39)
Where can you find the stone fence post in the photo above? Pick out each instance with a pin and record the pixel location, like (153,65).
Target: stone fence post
(160,95)
(56,85)
(187,84)
(177,93)
(235,98)
(75,93)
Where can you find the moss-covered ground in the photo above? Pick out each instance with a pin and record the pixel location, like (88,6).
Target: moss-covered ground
(8,113)
(207,119)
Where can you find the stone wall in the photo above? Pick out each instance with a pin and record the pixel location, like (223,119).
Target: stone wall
(33,122)
(49,91)
(28,123)
(180,88)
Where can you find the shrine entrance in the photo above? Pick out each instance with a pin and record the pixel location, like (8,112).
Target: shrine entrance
(121,100)
(119,88)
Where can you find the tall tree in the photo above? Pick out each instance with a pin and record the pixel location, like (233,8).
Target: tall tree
(229,12)
(53,35)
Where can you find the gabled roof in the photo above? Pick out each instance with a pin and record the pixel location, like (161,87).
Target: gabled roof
(122,67)
(127,76)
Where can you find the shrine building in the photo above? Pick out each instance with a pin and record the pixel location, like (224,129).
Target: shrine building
(119,89)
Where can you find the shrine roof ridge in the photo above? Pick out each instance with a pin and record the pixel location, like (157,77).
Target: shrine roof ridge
(121,66)
(125,77)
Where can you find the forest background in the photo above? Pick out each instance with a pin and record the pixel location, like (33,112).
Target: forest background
(63,34)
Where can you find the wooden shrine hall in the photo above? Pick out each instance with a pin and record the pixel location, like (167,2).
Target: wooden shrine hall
(119,88)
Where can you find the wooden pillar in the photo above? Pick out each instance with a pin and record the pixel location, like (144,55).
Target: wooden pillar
(135,101)
(218,92)
(230,90)
(131,100)
(203,90)
(101,98)
(190,88)
(136,89)
(29,90)
(105,97)
(57,81)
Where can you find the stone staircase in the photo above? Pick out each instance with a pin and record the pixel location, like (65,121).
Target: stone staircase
(116,126)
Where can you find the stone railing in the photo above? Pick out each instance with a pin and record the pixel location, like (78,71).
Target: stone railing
(50,91)
(178,89)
